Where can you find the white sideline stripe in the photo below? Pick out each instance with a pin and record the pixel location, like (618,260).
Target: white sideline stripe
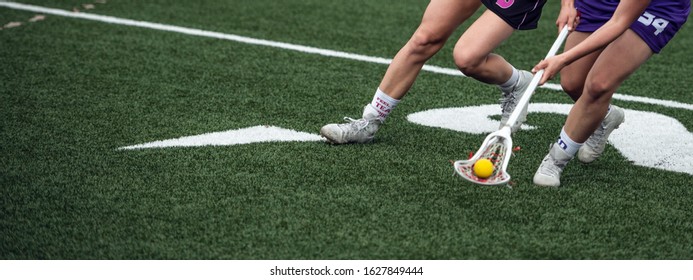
(294,47)
(647,100)
(631,98)
(199,32)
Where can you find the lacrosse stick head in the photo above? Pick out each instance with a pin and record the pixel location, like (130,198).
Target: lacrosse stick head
(497,148)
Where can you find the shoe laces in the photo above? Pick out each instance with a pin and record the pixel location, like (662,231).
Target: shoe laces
(357,124)
(549,167)
(507,102)
(509,99)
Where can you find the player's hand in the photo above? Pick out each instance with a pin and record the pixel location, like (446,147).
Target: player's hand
(551,67)
(568,16)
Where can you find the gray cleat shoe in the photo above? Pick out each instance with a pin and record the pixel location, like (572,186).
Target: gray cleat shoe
(549,172)
(354,131)
(510,99)
(594,146)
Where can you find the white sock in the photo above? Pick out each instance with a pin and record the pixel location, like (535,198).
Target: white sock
(507,86)
(382,104)
(568,145)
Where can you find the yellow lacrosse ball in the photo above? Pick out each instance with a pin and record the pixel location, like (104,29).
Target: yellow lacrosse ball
(483,168)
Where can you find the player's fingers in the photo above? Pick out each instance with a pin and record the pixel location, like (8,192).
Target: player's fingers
(560,22)
(545,78)
(539,66)
(576,20)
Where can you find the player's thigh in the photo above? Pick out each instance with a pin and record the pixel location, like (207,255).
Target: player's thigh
(573,75)
(442,17)
(617,62)
(482,37)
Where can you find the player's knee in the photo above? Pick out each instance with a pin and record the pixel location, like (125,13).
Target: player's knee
(466,61)
(572,87)
(598,88)
(426,42)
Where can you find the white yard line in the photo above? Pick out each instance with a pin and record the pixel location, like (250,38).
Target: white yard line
(287,46)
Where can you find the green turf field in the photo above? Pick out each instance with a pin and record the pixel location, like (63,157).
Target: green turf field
(73,91)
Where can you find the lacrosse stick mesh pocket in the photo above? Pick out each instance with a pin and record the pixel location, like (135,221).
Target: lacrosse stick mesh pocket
(496,153)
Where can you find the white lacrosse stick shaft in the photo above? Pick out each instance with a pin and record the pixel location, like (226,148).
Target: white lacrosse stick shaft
(503,135)
(537,77)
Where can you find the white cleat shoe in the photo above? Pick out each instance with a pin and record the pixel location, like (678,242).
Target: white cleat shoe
(353,132)
(510,99)
(549,172)
(594,146)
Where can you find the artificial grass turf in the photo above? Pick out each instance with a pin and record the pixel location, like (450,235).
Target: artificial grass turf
(74,91)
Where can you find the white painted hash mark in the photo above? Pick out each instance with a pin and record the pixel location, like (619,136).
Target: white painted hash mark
(255,134)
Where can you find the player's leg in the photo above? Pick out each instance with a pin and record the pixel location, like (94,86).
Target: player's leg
(473,51)
(473,56)
(587,117)
(616,63)
(613,66)
(573,78)
(573,75)
(439,21)
(654,29)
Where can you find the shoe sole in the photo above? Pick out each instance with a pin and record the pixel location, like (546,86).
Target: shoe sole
(334,142)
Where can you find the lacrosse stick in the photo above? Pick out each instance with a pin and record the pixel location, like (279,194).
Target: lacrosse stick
(497,147)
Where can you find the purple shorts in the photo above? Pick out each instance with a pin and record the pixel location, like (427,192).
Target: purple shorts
(656,26)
